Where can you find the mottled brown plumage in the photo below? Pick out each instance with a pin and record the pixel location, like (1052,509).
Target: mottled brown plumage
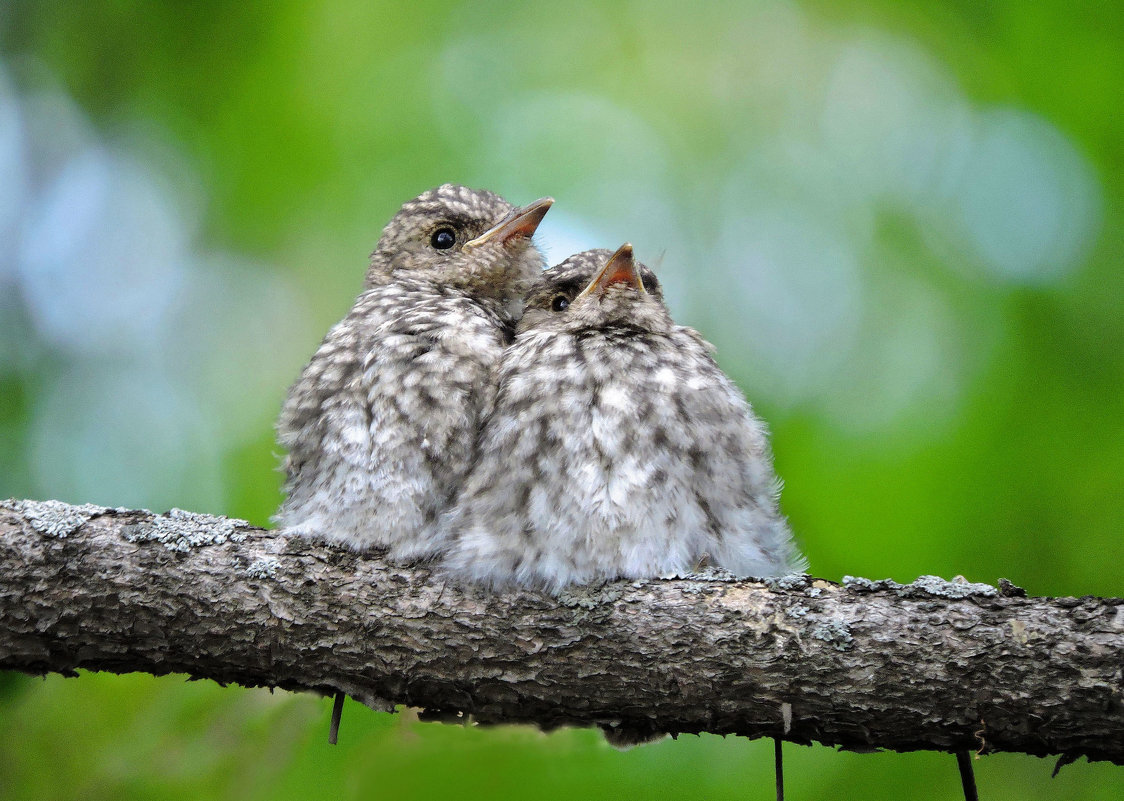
(616,446)
(380,425)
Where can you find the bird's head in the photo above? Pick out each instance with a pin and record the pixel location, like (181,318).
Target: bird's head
(469,238)
(597,289)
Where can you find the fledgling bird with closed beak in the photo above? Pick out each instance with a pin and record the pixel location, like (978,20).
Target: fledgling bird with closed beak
(616,447)
(381,424)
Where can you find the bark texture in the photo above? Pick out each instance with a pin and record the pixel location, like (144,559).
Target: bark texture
(930,665)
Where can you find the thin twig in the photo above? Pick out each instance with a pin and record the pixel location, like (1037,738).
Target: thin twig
(967,776)
(778,766)
(337,712)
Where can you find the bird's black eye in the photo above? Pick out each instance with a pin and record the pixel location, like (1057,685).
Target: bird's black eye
(559,303)
(443,238)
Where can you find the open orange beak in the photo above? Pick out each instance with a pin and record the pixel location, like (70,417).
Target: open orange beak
(620,268)
(520,222)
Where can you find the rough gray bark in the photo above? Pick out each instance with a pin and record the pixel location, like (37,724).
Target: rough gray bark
(931,665)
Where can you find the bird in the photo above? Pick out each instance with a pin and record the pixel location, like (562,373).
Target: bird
(614,447)
(380,425)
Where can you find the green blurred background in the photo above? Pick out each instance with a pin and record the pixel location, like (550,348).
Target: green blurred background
(899,222)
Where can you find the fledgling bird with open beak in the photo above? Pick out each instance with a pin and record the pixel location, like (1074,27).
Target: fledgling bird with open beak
(616,447)
(381,424)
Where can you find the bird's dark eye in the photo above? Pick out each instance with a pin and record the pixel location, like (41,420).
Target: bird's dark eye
(443,238)
(559,303)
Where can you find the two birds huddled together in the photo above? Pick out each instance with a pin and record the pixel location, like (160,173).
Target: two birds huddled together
(524,427)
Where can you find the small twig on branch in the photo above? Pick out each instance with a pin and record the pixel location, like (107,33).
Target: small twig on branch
(778,767)
(864,665)
(967,775)
(337,713)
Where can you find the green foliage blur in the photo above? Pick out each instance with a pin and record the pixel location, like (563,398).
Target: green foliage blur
(900,222)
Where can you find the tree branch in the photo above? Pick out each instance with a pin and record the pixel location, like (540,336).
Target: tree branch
(931,665)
